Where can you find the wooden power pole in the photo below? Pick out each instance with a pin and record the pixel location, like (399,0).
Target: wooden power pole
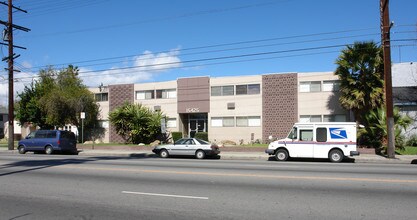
(386,45)
(9,38)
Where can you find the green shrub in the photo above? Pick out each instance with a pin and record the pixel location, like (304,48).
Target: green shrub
(176,135)
(202,136)
(412,141)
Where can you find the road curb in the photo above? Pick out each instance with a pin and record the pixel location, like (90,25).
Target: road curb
(363,158)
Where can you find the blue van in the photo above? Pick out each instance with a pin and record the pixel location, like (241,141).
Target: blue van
(49,141)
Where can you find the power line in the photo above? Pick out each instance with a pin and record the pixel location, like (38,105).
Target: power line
(229,44)
(169,18)
(203,60)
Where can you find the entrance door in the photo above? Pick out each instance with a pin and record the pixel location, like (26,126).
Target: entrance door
(197,123)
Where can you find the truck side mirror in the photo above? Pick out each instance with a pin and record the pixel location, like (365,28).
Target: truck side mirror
(270,137)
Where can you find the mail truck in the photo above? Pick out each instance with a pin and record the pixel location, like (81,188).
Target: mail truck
(332,140)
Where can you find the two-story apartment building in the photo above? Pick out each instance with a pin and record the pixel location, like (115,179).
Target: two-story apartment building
(238,108)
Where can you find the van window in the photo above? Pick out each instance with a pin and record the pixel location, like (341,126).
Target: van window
(41,134)
(321,134)
(51,134)
(306,135)
(31,134)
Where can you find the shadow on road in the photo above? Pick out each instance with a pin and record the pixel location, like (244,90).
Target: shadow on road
(346,160)
(31,165)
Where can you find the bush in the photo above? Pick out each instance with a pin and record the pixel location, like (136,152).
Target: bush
(412,141)
(176,135)
(202,136)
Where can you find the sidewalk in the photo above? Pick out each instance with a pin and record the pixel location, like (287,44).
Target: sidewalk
(231,155)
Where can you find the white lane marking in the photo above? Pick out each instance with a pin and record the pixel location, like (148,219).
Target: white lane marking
(165,195)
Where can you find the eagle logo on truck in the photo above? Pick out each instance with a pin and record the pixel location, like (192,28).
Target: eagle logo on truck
(338,133)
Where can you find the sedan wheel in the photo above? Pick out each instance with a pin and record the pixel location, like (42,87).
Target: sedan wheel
(164,153)
(200,154)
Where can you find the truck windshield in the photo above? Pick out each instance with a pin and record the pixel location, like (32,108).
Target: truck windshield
(293,133)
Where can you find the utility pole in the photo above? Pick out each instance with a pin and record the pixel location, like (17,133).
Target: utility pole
(9,32)
(386,45)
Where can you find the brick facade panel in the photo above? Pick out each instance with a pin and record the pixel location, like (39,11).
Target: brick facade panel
(118,95)
(279,104)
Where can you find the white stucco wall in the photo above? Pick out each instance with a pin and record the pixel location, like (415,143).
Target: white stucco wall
(245,105)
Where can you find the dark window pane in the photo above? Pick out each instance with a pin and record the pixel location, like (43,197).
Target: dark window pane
(254,89)
(105,97)
(321,134)
(159,94)
(241,89)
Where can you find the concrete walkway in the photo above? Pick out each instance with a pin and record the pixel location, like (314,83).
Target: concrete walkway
(230,155)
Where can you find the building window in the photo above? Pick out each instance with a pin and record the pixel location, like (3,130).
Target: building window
(101,97)
(222,121)
(310,118)
(250,89)
(334,118)
(171,122)
(331,85)
(147,94)
(222,90)
(230,106)
(313,86)
(166,94)
(216,91)
(251,121)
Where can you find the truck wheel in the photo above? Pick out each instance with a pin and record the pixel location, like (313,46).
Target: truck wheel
(281,155)
(336,156)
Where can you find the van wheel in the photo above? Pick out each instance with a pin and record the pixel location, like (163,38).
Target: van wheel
(21,150)
(164,153)
(281,155)
(200,154)
(49,150)
(336,156)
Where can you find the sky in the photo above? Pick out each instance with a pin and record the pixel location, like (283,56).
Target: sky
(138,41)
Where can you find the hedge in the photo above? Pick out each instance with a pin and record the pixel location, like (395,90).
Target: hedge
(176,135)
(202,136)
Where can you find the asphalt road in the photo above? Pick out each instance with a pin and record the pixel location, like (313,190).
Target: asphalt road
(76,187)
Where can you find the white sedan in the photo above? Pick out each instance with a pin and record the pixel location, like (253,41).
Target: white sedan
(188,147)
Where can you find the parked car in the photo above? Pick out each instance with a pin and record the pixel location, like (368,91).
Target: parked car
(48,141)
(187,146)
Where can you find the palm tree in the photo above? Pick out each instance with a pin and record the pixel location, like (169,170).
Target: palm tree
(136,123)
(360,70)
(377,128)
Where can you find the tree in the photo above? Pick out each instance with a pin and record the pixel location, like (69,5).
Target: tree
(136,123)
(376,131)
(360,70)
(57,99)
